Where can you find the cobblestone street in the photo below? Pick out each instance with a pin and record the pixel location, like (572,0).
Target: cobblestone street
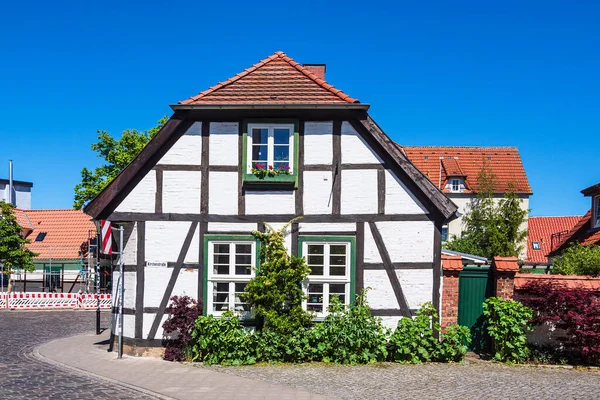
(24,377)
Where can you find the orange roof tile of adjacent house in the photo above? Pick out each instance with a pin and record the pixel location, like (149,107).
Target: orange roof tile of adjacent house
(582,232)
(504,162)
(275,80)
(540,230)
(66,231)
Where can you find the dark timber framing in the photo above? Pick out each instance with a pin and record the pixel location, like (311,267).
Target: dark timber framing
(140,277)
(204,167)
(202,230)
(389,268)
(336,192)
(381,191)
(299,198)
(174,275)
(360,257)
(240,171)
(158,208)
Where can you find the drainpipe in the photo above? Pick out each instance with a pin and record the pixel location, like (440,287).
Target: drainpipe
(10,182)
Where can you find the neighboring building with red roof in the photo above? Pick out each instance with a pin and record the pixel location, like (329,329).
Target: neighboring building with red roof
(587,229)
(60,240)
(455,171)
(543,233)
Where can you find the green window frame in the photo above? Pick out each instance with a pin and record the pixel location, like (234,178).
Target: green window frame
(209,278)
(292,178)
(326,280)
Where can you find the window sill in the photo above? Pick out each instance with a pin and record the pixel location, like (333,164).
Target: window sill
(277,180)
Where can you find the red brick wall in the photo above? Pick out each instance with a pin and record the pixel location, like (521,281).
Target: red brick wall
(450,299)
(505,285)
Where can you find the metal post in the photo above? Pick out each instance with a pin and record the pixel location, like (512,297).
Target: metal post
(121,292)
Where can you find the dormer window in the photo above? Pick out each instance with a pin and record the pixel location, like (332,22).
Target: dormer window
(455,185)
(536,245)
(596,215)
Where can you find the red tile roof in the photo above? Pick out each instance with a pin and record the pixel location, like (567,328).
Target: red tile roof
(540,229)
(505,264)
(275,80)
(582,232)
(452,262)
(66,232)
(504,162)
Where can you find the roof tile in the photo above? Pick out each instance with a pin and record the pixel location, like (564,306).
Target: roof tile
(541,229)
(275,80)
(504,162)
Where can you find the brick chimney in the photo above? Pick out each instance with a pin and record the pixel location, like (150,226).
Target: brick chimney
(317,69)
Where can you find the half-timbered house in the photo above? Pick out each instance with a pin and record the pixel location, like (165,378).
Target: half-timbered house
(193,195)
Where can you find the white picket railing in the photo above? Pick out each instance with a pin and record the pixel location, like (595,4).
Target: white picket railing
(54,300)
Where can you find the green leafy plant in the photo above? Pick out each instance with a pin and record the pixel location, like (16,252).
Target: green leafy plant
(294,347)
(508,324)
(261,170)
(414,339)
(222,341)
(350,334)
(578,259)
(275,293)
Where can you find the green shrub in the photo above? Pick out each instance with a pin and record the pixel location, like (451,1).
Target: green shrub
(453,345)
(578,260)
(508,324)
(294,347)
(414,339)
(222,341)
(350,335)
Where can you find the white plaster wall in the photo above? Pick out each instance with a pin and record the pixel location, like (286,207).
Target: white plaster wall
(306,228)
(408,241)
(371,251)
(223,193)
(417,286)
(318,143)
(317,191)
(164,240)
(128,326)
(181,191)
(187,150)
(359,192)
(381,294)
(21,195)
(129,289)
(354,149)
(142,197)
(398,199)
(157,278)
(270,202)
(148,319)
(223,149)
(130,250)
(391,322)
(231,227)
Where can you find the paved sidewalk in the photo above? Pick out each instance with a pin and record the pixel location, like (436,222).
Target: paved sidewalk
(157,377)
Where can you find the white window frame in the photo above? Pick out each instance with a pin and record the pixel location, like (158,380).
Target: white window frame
(270,144)
(596,213)
(232,278)
(326,279)
(457,185)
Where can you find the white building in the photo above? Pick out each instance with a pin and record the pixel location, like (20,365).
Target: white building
(21,196)
(193,195)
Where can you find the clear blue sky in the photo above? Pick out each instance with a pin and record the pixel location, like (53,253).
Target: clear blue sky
(523,74)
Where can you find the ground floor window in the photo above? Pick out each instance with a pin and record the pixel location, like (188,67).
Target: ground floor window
(332,263)
(53,278)
(231,263)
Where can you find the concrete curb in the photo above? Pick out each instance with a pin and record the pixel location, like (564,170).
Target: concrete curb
(37,355)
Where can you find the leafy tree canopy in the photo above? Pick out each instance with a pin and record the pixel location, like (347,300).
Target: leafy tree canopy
(116,155)
(578,260)
(13,253)
(491,228)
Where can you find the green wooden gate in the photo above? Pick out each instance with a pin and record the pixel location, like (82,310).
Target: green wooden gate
(474,286)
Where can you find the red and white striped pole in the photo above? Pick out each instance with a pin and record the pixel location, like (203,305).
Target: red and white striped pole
(106,229)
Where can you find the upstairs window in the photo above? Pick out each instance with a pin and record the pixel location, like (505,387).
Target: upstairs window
(455,185)
(596,216)
(270,147)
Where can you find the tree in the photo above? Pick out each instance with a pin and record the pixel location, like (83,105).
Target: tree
(275,293)
(117,154)
(13,253)
(490,228)
(578,259)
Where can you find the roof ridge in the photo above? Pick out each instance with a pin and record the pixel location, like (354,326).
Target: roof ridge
(277,55)
(555,216)
(462,146)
